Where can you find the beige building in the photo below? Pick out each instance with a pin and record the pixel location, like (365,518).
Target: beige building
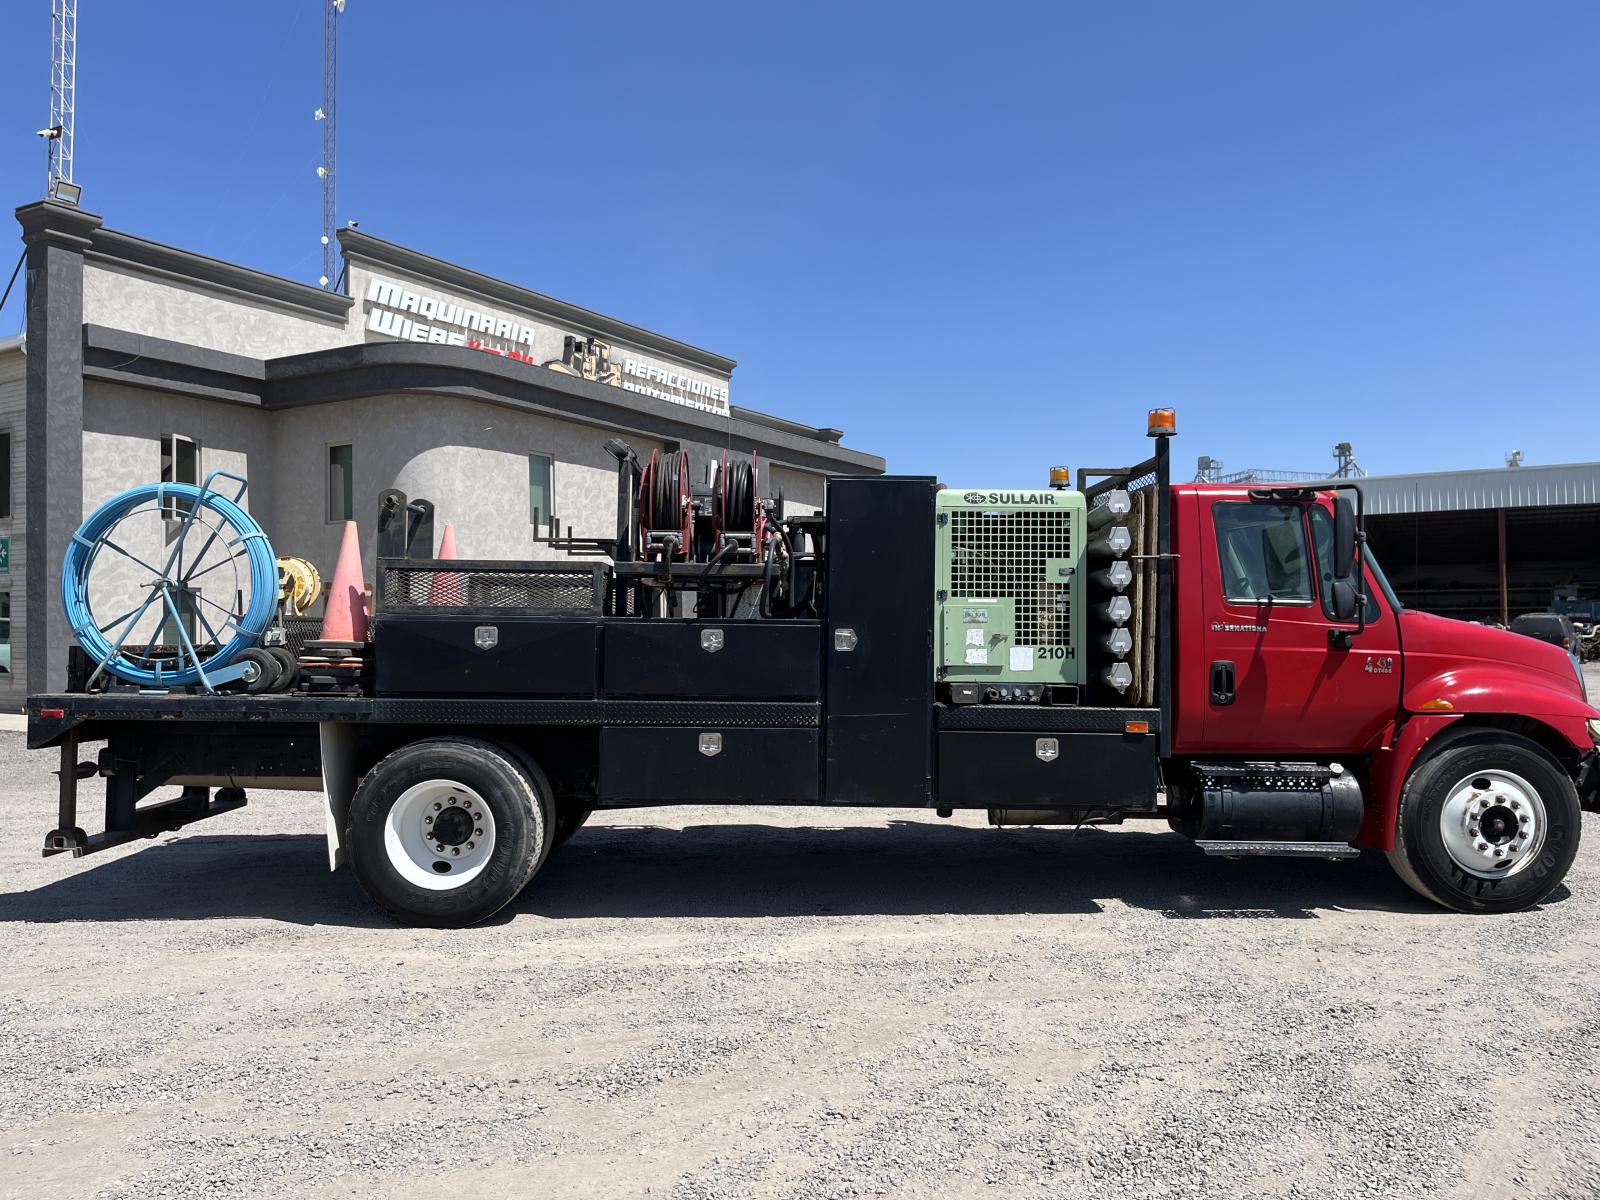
(144,362)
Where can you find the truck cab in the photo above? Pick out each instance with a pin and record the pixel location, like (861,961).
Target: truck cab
(1469,742)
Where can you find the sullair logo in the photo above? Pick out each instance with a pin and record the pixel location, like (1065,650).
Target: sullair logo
(1009,497)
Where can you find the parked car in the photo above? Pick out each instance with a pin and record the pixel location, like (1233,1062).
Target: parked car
(1548,627)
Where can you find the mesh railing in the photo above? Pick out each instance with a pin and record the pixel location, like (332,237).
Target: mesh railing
(527,586)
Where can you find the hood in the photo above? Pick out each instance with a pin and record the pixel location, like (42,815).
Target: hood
(1434,643)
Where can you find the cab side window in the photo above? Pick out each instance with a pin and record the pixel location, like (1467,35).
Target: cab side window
(1263,552)
(1322,543)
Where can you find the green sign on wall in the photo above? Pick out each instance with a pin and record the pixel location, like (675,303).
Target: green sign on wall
(5,555)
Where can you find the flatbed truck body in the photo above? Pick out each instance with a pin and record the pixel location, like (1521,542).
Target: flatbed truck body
(1286,704)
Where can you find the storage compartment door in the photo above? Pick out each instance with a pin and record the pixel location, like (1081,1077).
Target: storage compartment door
(652,764)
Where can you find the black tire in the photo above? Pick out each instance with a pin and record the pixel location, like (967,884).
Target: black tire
(569,819)
(1420,856)
(262,670)
(288,668)
(517,797)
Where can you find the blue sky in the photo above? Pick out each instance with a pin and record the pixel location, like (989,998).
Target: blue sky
(981,239)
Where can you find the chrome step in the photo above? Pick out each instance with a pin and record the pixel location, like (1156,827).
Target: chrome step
(1279,849)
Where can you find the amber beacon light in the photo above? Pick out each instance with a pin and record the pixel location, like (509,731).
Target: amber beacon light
(1163,422)
(1060,478)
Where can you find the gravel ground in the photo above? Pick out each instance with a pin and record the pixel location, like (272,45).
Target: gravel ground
(764,1003)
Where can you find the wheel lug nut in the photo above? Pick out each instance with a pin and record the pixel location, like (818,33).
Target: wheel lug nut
(437,806)
(477,833)
(427,820)
(455,850)
(471,845)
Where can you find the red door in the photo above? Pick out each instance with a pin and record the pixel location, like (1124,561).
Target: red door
(1275,681)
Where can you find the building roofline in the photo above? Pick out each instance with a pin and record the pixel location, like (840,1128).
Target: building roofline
(377,368)
(17,341)
(114,248)
(823,433)
(1475,472)
(364,246)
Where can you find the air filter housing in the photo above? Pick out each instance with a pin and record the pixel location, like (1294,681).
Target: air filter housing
(1008,580)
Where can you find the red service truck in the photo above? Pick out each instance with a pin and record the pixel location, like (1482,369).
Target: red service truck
(1229,659)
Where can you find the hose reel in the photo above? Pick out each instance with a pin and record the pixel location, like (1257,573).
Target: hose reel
(665,514)
(740,512)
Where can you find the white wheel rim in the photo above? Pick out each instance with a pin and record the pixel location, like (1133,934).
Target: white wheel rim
(1493,824)
(439,835)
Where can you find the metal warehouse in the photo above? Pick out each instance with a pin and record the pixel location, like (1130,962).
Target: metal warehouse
(1488,544)
(144,362)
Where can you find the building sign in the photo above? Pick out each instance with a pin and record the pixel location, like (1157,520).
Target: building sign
(397,312)
(5,555)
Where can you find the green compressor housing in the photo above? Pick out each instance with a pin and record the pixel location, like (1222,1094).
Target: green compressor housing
(1009,586)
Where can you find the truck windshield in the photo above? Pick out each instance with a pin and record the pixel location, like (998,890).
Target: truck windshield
(1383,580)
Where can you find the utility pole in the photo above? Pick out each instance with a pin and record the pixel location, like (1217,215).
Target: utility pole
(328,115)
(63,99)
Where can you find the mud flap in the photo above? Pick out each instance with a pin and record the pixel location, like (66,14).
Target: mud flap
(1589,782)
(338,784)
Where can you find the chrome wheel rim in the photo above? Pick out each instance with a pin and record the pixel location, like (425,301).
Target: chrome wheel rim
(439,835)
(1493,824)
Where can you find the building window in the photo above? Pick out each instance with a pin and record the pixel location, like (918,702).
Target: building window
(5,473)
(539,490)
(5,633)
(341,483)
(188,612)
(180,463)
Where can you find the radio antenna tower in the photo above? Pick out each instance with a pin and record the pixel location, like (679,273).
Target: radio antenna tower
(63,97)
(328,114)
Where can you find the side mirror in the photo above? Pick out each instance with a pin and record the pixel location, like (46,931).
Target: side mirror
(1346,600)
(1344,540)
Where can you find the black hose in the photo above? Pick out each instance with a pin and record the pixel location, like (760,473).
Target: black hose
(738,503)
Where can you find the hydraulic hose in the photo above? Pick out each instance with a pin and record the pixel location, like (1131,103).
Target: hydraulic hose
(738,504)
(91,538)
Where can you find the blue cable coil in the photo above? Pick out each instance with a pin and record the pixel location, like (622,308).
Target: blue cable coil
(92,537)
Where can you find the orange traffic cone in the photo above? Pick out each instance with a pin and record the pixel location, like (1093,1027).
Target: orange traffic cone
(344,615)
(446,587)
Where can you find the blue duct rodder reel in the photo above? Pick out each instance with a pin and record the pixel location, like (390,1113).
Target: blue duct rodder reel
(168,584)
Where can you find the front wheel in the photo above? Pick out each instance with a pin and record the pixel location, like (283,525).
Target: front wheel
(445,832)
(1488,823)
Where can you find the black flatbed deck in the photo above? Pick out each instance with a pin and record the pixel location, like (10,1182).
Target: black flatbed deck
(80,710)
(84,711)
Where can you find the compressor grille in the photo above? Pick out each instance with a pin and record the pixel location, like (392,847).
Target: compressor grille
(1006,555)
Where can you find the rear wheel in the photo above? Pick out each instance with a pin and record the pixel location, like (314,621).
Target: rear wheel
(1489,822)
(447,831)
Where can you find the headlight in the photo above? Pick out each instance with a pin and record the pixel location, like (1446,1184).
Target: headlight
(1594,731)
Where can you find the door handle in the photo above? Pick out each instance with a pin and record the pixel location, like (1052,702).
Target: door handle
(1222,683)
